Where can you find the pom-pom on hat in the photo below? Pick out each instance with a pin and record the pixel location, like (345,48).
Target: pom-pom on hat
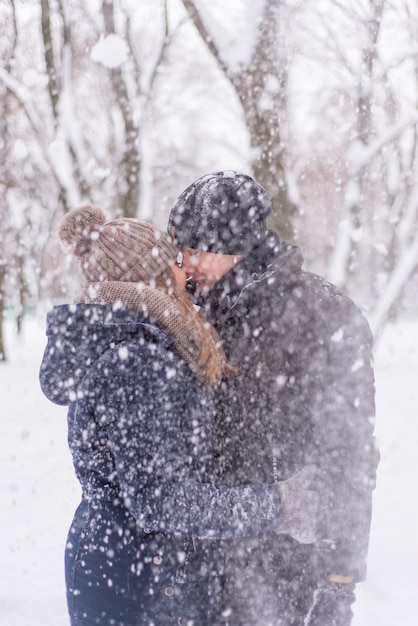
(224,212)
(124,249)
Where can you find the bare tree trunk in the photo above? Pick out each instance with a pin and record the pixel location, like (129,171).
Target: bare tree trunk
(131,162)
(345,258)
(23,287)
(3,356)
(263,122)
(57,81)
(3,211)
(260,89)
(4,179)
(365,130)
(53,85)
(390,299)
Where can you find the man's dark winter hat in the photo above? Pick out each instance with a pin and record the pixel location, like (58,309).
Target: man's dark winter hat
(224,212)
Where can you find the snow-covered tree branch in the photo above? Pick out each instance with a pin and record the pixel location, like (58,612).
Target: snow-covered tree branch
(125,103)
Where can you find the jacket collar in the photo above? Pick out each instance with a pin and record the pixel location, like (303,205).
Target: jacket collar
(271,258)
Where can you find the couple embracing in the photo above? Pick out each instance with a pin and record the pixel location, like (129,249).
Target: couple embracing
(220,404)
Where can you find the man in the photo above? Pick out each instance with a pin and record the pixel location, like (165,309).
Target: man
(302,393)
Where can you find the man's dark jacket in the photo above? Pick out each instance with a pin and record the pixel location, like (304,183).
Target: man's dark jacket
(303,393)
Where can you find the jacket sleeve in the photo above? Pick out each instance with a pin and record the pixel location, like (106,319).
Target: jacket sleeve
(322,410)
(342,412)
(158,422)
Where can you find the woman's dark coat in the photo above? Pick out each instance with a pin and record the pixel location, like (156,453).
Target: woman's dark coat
(303,393)
(140,433)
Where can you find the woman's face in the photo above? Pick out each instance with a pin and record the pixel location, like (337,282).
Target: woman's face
(179,275)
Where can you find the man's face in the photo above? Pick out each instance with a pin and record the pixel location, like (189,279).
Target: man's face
(206,268)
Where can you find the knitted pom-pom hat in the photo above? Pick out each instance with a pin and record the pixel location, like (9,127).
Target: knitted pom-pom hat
(124,249)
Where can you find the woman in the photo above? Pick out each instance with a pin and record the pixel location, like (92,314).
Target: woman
(134,363)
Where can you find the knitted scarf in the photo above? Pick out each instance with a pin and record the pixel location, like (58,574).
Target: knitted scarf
(194,339)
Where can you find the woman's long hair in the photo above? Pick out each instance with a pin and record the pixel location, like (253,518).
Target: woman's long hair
(165,303)
(210,359)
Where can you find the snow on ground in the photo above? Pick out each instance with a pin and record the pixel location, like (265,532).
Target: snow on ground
(38,492)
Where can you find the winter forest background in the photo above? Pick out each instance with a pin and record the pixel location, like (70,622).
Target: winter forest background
(122,103)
